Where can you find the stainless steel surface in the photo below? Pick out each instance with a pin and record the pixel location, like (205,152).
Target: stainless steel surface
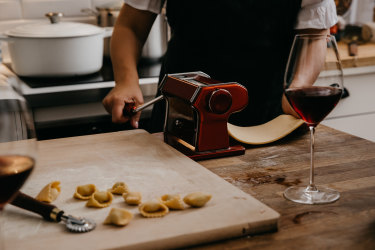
(73,224)
(54,17)
(78,225)
(105,17)
(77,93)
(147,104)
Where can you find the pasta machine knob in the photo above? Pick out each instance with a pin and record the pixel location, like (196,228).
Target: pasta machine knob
(220,101)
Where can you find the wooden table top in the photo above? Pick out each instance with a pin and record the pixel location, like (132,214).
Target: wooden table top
(342,161)
(366,55)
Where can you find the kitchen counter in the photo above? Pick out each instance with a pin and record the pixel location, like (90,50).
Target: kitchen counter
(366,55)
(147,165)
(343,162)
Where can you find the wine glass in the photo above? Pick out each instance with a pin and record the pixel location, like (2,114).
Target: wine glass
(17,146)
(313,85)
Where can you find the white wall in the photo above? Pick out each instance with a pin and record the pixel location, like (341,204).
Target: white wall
(18,12)
(361,11)
(32,9)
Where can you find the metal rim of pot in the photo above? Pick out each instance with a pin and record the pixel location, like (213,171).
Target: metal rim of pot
(54,29)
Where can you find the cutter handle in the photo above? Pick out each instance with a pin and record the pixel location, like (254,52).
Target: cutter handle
(47,211)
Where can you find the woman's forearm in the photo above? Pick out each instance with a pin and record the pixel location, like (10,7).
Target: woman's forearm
(125,52)
(130,33)
(314,59)
(308,72)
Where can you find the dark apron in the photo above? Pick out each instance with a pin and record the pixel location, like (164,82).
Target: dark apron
(244,41)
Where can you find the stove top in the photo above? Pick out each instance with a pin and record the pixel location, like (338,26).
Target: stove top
(146,69)
(57,91)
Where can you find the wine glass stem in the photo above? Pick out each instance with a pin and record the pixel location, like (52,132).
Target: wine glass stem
(312,186)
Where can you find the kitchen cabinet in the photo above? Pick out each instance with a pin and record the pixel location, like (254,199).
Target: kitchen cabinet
(356,114)
(360,125)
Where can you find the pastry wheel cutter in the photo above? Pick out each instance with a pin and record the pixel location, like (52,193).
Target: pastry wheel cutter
(52,213)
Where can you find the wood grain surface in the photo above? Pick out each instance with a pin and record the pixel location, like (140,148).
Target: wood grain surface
(147,165)
(366,55)
(342,161)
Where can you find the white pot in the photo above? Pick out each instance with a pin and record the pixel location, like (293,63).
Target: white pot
(56,49)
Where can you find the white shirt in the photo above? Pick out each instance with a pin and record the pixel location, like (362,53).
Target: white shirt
(314,14)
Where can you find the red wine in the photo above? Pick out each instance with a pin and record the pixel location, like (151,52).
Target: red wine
(313,104)
(14,170)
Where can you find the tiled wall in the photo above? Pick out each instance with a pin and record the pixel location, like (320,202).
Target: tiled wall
(31,9)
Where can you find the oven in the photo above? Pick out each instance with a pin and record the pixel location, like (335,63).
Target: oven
(72,106)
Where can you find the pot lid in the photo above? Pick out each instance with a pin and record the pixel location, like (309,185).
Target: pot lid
(54,29)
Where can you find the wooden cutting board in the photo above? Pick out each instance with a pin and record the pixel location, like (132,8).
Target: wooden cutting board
(145,164)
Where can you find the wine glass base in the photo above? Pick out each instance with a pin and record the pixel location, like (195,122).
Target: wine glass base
(303,195)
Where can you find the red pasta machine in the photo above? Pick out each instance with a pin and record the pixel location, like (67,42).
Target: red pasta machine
(197,112)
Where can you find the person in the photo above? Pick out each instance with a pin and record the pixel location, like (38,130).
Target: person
(244,41)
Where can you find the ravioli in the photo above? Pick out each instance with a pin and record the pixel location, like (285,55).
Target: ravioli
(132,198)
(119,188)
(50,192)
(172,201)
(197,199)
(84,192)
(153,209)
(100,199)
(118,217)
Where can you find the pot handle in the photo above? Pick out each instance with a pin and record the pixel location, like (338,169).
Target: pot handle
(90,12)
(5,38)
(107,32)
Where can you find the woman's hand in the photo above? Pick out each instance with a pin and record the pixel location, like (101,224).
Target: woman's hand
(129,35)
(120,96)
